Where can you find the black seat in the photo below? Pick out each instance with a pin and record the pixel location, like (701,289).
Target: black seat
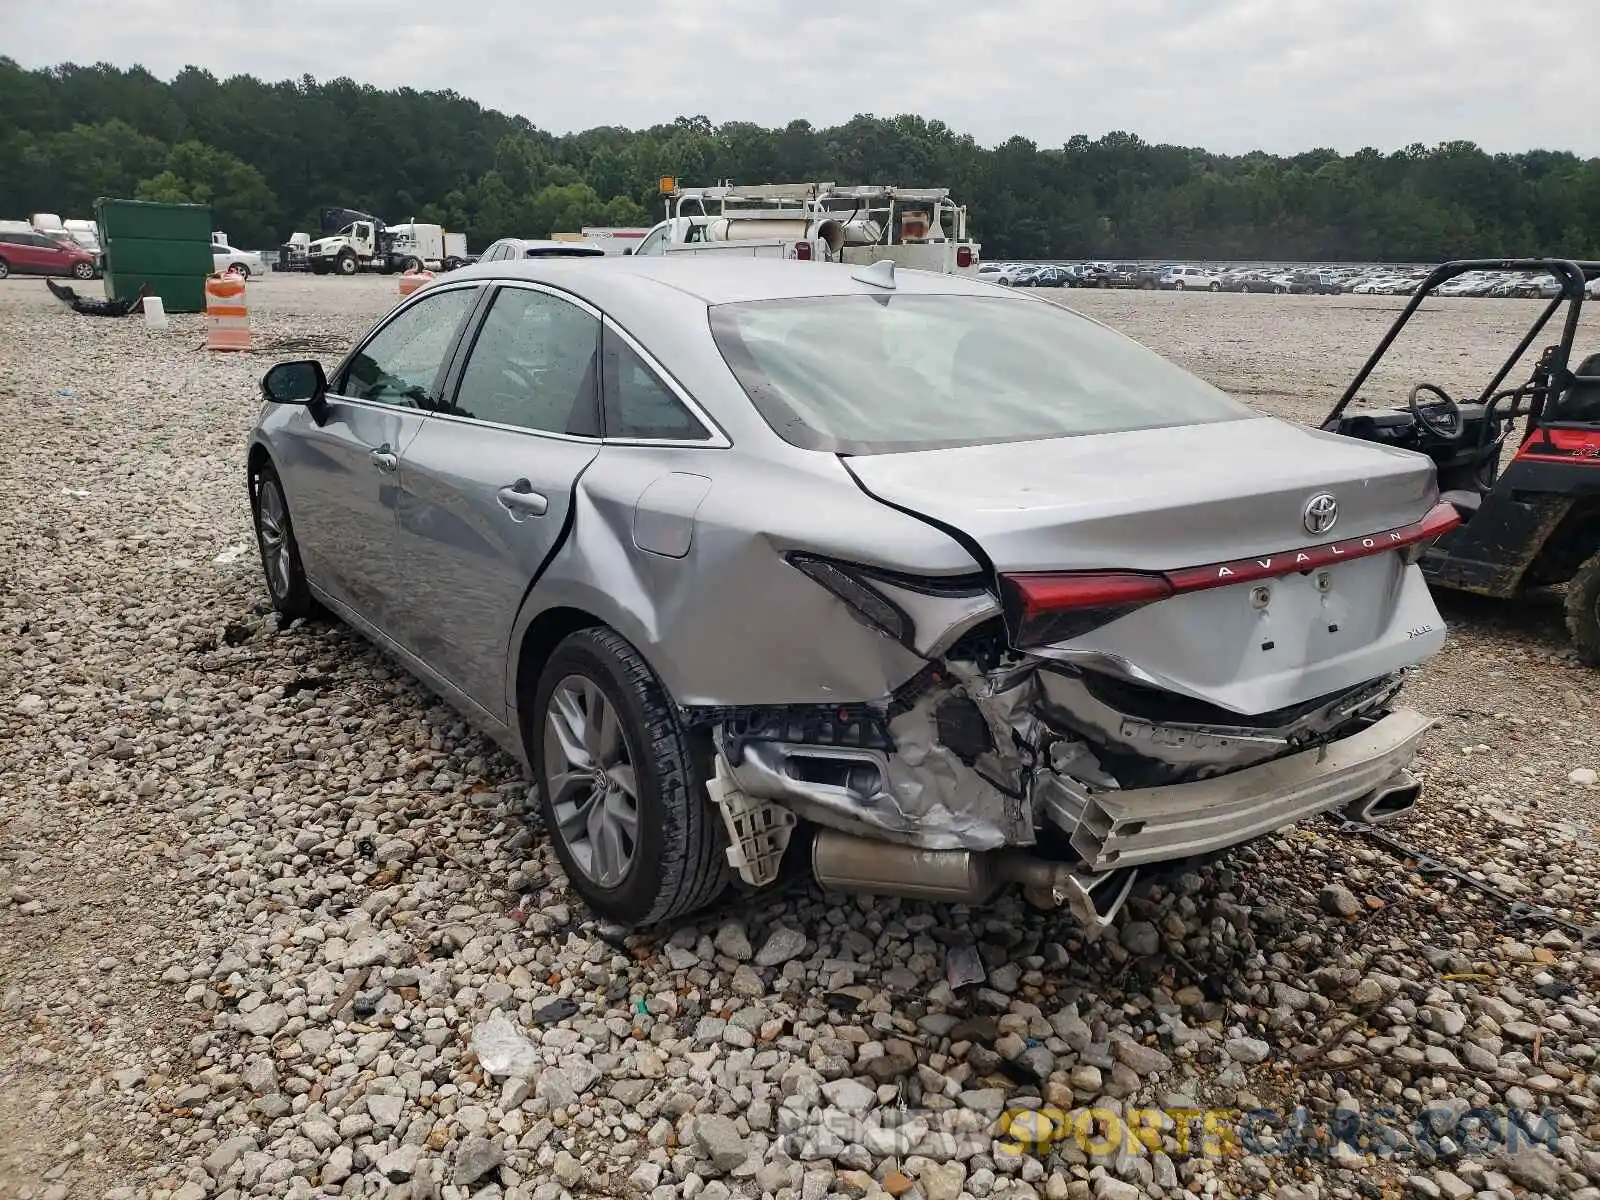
(1581,400)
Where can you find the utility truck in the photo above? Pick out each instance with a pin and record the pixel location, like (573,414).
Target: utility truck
(918,228)
(363,242)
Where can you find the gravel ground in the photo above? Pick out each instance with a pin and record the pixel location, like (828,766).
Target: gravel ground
(272,923)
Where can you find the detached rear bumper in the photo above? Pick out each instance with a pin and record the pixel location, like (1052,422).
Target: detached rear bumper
(1112,829)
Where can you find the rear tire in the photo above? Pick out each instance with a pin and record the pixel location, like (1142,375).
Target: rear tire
(5,268)
(675,863)
(1583,612)
(1216,287)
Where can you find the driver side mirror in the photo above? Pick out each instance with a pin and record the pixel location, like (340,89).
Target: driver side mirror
(300,382)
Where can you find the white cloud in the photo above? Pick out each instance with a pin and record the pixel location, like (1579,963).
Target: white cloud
(1230,75)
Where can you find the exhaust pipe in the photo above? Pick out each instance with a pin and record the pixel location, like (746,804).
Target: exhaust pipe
(1393,800)
(843,862)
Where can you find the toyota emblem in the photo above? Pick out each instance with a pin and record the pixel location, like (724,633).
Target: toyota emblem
(1322,510)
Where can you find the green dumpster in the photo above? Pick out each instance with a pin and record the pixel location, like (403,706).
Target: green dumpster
(167,246)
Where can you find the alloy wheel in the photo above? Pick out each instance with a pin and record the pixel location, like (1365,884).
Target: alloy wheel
(272,526)
(592,785)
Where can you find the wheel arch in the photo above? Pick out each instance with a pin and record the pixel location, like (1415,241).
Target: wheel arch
(536,636)
(257,457)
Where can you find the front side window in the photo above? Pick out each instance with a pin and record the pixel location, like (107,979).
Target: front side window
(533,366)
(400,363)
(881,374)
(637,403)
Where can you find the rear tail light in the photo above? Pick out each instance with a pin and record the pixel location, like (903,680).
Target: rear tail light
(802,250)
(1441,519)
(1048,607)
(865,604)
(1042,609)
(963,257)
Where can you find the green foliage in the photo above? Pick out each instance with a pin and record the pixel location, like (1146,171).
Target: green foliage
(268,155)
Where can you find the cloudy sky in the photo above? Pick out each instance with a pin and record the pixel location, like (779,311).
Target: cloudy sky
(1231,75)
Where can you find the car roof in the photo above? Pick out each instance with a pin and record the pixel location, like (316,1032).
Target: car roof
(627,281)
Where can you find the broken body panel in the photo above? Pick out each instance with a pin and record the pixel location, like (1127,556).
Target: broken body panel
(1046,655)
(1181,727)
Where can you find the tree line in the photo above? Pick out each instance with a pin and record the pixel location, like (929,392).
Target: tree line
(267,155)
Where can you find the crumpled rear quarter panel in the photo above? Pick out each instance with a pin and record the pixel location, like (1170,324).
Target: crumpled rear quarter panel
(730,622)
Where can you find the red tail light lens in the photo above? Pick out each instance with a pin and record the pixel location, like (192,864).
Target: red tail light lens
(1441,519)
(802,250)
(1042,609)
(963,257)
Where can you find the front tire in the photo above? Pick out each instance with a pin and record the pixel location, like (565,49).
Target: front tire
(280,553)
(1181,286)
(1215,286)
(83,270)
(346,264)
(239,269)
(5,268)
(1583,612)
(622,784)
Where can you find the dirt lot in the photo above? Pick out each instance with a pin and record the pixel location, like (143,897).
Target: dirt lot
(257,889)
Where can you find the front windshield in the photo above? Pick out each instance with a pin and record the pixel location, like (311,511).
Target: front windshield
(881,374)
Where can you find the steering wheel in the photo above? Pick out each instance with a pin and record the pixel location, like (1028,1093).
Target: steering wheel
(1448,425)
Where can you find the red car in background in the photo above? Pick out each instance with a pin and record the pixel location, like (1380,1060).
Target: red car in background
(39,254)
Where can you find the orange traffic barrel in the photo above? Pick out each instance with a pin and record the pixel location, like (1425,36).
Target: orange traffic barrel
(412,280)
(227,314)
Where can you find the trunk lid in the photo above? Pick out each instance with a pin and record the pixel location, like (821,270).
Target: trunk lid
(1153,499)
(1162,500)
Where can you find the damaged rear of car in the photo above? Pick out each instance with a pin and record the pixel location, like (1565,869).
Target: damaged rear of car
(1185,626)
(920,583)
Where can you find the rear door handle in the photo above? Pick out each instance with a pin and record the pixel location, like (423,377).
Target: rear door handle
(519,499)
(384,459)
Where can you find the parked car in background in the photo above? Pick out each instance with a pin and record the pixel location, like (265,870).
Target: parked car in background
(510,248)
(244,263)
(1090,275)
(1182,278)
(1313,283)
(1046,276)
(40,254)
(654,545)
(1013,274)
(1245,281)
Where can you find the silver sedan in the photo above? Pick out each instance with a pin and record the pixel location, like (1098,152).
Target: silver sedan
(942,585)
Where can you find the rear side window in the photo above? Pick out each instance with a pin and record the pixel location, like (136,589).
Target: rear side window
(638,404)
(533,365)
(881,374)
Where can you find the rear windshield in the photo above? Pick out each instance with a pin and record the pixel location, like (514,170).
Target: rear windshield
(882,374)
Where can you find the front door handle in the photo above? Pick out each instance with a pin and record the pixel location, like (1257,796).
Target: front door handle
(519,499)
(384,459)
